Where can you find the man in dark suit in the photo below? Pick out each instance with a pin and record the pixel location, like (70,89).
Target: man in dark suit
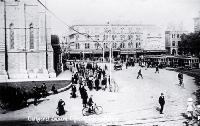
(161,102)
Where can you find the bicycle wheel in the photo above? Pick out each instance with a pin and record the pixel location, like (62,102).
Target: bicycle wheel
(85,111)
(98,110)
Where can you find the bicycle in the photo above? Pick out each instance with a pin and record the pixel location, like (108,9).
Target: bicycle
(95,110)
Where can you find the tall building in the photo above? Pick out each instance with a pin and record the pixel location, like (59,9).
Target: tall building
(197,23)
(172,40)
(25,40)
(126,40)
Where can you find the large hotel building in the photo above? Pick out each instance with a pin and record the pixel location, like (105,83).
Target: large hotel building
(125,40)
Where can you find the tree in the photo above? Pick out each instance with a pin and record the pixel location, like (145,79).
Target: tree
(190,44)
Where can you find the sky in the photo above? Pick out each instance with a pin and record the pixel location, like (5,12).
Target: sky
(157,12)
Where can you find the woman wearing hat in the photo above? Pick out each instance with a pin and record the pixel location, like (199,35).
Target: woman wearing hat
(190,107)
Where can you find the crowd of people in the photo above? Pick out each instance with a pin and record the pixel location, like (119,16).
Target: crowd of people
(88,77)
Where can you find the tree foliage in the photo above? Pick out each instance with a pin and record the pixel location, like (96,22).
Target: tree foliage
(190,44)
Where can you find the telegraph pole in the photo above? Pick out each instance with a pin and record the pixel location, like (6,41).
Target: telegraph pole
(6,51)
(110,56)
(25,44)
(46,38)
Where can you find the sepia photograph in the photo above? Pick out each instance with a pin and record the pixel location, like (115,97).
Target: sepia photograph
(99,62)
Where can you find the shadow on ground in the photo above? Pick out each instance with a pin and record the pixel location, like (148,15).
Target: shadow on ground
(43,123)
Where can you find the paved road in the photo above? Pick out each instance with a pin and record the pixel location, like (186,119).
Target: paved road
(136,103)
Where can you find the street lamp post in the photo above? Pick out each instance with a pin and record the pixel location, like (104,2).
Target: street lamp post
(103,52)
(110,56)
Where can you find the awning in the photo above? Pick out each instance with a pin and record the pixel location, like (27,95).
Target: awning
(128,52)
(155,50)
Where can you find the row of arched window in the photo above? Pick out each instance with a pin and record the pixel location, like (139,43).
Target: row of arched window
(12,36)
(114,45)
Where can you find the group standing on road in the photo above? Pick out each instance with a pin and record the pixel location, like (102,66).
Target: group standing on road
(89,76)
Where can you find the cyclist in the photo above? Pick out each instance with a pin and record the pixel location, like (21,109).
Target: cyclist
(90,104)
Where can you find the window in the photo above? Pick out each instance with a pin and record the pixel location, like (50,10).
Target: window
(77,46)
(97,37)
(130,45)
(122,37)
(138,37)
(173,43)
(122,45)
(87,45)
(173,35)
(31,36)
(77,36)
(97,45)
(105,37)
(114,45)
(130,37)
(105,45)
(114,37)
(178,35)
(12,44)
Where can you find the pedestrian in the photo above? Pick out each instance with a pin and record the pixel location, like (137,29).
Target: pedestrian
(106,68)
(81,90)
(44,90)
(60,107)
(35,94)
(157,69)
(140,74)
(97,84)
(73,93)
(126,64)
(73,79)
(85,97)
(53,89)
(104,83)
(161,102)
(190,108)
(180,77)
(109,80)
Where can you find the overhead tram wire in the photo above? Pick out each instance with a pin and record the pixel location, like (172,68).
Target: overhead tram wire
(84,34)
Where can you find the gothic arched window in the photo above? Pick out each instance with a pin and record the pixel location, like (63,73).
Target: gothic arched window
(31,36)
(12,35)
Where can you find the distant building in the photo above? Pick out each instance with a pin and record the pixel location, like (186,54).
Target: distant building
(126,40)
(197,23)
(25,40)
(172,40)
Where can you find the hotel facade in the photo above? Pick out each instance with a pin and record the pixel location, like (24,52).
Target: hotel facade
(125,40)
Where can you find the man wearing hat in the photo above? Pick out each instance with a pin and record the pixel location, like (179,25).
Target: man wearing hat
(161,102)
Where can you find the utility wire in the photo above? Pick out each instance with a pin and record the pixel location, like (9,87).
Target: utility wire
(84,34)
